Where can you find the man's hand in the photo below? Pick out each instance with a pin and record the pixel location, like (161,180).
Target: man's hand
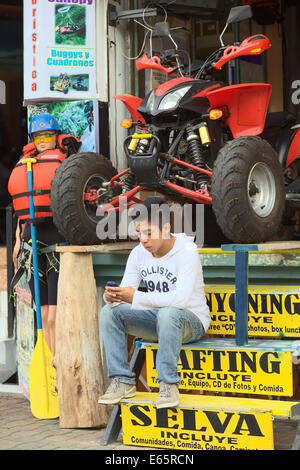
(119,294)
(108,297)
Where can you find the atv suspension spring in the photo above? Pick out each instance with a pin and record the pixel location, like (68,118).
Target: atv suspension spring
(196,155)
(129,182)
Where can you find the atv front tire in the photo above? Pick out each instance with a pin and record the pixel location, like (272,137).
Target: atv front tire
(78,175)
(248,196)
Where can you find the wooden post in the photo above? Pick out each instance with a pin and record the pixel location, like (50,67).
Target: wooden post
(78,357)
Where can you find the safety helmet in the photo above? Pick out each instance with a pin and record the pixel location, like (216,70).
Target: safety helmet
(43,122)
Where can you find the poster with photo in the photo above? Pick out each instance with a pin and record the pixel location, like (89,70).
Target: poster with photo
(59,50)
(79,118)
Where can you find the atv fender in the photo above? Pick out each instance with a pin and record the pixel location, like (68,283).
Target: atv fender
(247,106)
(132,103)
(289,149)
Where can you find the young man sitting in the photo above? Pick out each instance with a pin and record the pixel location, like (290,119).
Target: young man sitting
(173,311)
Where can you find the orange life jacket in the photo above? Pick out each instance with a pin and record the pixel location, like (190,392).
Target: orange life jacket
(43,173)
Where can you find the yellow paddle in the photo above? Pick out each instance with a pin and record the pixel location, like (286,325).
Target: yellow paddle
(42,375)
(42,381)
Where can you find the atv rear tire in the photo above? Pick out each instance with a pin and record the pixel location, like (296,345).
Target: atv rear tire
(248,196)
(72,215)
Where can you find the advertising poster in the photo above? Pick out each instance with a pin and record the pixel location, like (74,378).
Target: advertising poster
(189,427)
(59,50)
(230,370)
(273,311)
(25,333)
(79,118)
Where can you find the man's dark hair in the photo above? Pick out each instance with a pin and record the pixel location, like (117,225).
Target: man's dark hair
(151,214)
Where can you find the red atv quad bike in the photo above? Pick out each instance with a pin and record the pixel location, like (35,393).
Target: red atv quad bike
(195,140)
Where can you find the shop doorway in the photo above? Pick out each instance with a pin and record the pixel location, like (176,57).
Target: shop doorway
(12,113)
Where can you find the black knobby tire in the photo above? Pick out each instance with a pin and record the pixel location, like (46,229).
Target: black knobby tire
(248,196)
(69,210)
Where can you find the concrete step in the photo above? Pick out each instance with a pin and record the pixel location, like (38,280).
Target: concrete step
(11,389)
(8,359)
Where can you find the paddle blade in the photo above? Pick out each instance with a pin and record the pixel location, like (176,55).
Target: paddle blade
(42,381)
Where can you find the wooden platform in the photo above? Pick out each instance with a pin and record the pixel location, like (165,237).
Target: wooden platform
(264,247)
(123,247)
(292,346)
(282,408)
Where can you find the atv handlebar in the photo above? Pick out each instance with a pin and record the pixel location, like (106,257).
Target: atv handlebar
(253,45)
(154,62)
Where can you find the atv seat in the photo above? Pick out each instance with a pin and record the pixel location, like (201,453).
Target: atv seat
(275,125)
(280,119)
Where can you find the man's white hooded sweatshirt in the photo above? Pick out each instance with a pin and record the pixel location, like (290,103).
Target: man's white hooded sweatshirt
(174,280)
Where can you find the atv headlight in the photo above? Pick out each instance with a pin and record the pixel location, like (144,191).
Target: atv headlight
(150,101)
(171,100)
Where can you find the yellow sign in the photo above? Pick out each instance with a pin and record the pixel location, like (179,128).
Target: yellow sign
(191,428)
(273,311)
(230,370)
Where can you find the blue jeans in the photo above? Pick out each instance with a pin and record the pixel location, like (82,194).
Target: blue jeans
(170,326)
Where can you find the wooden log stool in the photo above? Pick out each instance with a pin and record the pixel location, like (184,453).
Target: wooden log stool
(78,356)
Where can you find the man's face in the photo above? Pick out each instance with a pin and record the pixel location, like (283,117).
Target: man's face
(44,140)
(151,237)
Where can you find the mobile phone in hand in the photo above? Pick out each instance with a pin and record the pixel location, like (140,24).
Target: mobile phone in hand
(111,284)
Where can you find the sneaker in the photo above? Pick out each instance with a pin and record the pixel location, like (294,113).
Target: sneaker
(116,391)
(168,395)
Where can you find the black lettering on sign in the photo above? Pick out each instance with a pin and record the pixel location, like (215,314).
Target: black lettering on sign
(217,425)
(167,417)
(183,360)
(189,421)
(154,352)
(273,303)
(136,410)
(198,358)
(288,305)
(209,300)
(253,302)
(252,428)
(163,417)
(265,362)
(216,359)
(245,359)
(220,301)
(264,303)
(232,361)
(232,302)
(276,302)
